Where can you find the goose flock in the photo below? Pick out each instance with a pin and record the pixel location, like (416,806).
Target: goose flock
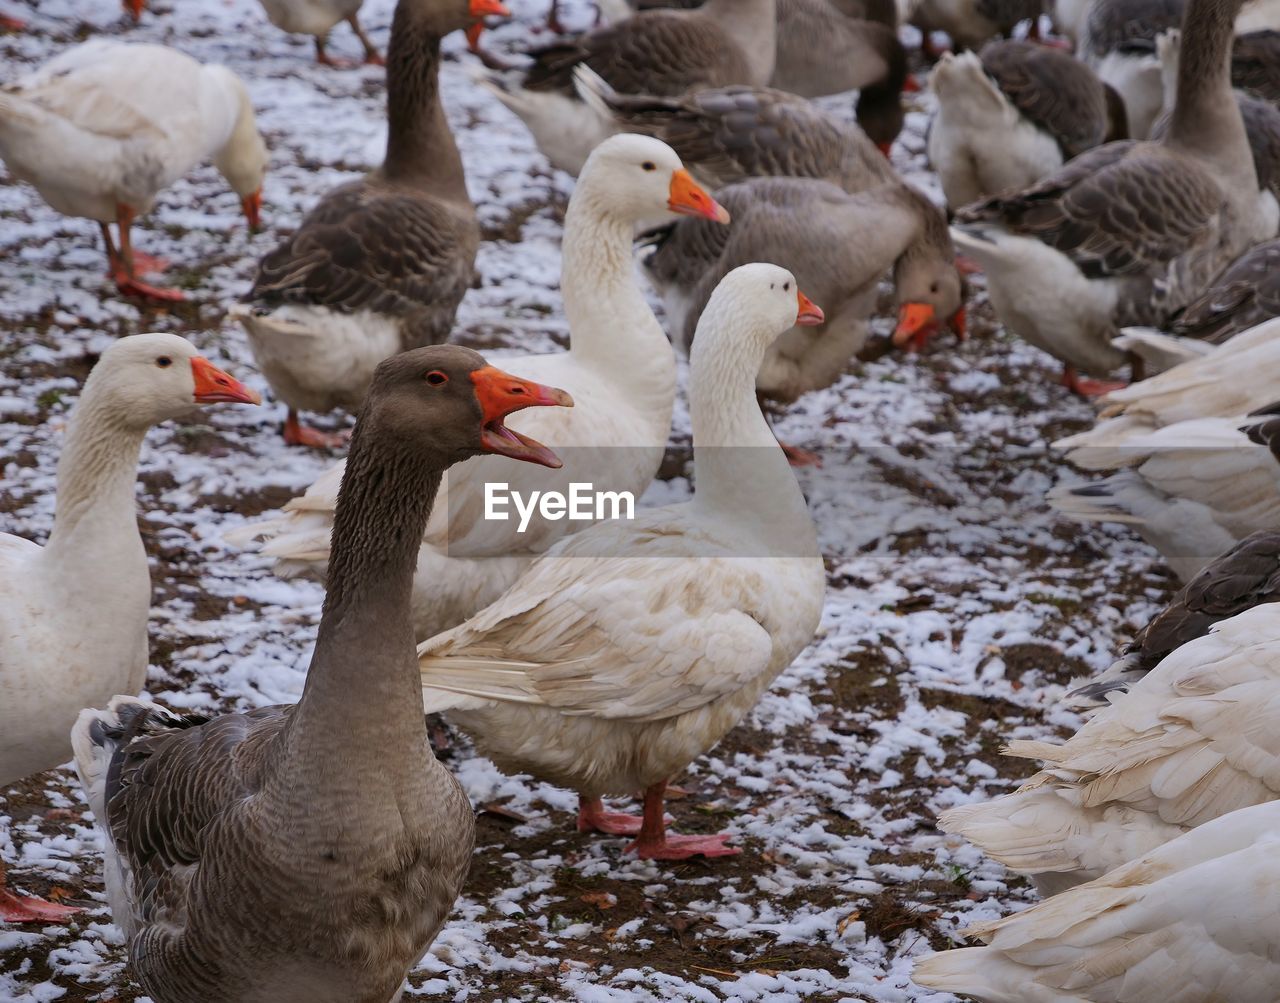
(745,238)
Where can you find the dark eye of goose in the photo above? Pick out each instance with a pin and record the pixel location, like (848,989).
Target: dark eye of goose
(933,288)
(649,165)
(436,378)
(164,362)
(786,287)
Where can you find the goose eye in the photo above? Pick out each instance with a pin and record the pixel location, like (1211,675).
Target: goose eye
(436,378)
(649,165)
(164,362)
(933,288)
(786,287)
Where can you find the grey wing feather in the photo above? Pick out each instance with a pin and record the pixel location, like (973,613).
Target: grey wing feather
(1243,296)
(1255,64)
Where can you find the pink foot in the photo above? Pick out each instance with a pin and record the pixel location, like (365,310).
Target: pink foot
(375,59)
(146,264)
(27,909)
(144,290)
(613,823)
(683,847)
(298,434)
(1086,387)
(8,23)
(799,457)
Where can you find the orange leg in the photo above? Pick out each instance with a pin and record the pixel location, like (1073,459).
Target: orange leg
(655,843)
(592,817)
(1086,387)
(16,908)
(324,59)
(298,434)
(124,267)
(372,56)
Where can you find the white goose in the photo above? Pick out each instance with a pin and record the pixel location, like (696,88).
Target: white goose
(317,18)
(73,613)
(103,128)
(1193,921)
(620,370)
(632,648)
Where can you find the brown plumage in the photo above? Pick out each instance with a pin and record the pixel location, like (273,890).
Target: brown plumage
(1243,296)
(308,854)
(1255,64)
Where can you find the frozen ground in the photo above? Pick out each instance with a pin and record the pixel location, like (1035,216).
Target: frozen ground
(958,605)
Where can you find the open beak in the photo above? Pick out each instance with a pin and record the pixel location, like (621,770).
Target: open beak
(134,8)
(213,386)
(810,314)
(251,205)
(501,394)
(687,198)
(916,321)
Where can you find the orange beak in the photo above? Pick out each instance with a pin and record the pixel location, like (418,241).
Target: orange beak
(916,321)
(135,8)
(484,8)
(885,148)
(687,198)
(959,324)
(213,386)
(911,85)
(501,394)
(810,314)
(251,206)
(473,36)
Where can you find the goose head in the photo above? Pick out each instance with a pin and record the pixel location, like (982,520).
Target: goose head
(452,397)
(767,299)
(964,88)
(243,160)
(148,378)
(930,294)
(639,179)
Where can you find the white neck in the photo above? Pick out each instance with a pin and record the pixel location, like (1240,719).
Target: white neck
(611,326)
(753,27)
(740,471)
(96,513)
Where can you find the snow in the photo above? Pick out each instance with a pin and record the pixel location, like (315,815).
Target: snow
(959,604)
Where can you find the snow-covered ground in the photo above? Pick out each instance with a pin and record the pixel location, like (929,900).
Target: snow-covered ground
(958,603)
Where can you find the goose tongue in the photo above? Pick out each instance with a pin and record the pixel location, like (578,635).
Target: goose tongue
(501,394)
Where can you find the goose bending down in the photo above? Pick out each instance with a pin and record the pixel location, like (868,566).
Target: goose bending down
(104,127)
(662,52)
(380,264)
(1127,233)
(1193,920)
(632,648)
(73,613)
(317,18)
(1014,114)
(1187,744)
(839,246)
(822,50)
(727,134)
(619,367)
(311,852)
(1246,576)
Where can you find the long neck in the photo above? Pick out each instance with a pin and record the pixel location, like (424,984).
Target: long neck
(97,474)
(752,25)
(1205,118)
(740,472)
(361,708)
(420,147)
(610,323)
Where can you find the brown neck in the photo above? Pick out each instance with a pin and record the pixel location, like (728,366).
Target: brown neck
(420,147)
(1204,115)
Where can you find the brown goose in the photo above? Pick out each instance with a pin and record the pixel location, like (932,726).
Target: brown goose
(311,853)
(1243,296)
(727,134)
(822,50)
(1246,576)
(1255,64)
(838,245)
(662,52)
(970,23)
(380,264)
(1013,114)
(1127,233)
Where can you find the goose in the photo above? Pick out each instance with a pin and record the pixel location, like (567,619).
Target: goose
(1013,114)
(73,613)
(380,264)
(839,246)
(633,647)
(727,134)
(620,368)
(661,52)
(822,50)
(1092,247)
(1185,745)
(1246,576)
(1192,921)
(970,23)
(317,18)
(1119,42)
(311,852)
(1255,64)
(102,128)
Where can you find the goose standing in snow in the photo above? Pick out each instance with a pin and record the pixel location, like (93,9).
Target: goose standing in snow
(632,648)
(1127,233)
(839,246)
(661,52)
(380,264)
(104,127)
(620,369)
(1013,114)
(73,613)
(311,852)
(317,18)
(1194,921)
